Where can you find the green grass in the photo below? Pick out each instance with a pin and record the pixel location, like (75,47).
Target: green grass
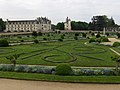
(46,77)
(66,51)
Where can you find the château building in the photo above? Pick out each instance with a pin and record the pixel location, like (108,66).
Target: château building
(67,24)
(40,24)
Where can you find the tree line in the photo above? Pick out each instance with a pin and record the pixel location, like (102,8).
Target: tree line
(97,23)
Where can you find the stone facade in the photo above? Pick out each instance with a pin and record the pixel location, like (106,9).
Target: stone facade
(40,24)
(67,24)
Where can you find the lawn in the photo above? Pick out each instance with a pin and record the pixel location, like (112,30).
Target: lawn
(74,52)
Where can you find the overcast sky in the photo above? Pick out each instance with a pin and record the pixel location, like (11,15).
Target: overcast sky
(58,10)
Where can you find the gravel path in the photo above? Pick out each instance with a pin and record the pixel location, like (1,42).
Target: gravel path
(8,84)
(112,40)
(115,51)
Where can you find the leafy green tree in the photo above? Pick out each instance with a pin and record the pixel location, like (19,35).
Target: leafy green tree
(79,25)
(99,22)
(2,25)
(13,58)
(53,27)
(60,26)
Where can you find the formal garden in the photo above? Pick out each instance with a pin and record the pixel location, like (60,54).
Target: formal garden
(67,54)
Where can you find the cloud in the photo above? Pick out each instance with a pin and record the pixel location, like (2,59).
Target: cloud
(58,10)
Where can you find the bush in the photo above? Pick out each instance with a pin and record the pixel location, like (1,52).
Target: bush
(63,69)
(60,39)
(28,69)
(48,70)
(75,37)
(22,40)
(92,40)
(4,43)
(98,35)
(37,69)
(84,35)
(6,68)
(93,34)
(44,38)
(76,34)
(118,34)
(34,33)
(116,44)
(108,72)
(20,68)
(40,34)
(104,39)
(36,41)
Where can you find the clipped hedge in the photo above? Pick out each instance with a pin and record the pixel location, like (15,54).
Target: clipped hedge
(63,69)
(4,43)
(104,39)
(116,44)
(92,40)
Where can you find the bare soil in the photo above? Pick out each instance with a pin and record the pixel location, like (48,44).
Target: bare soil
(9,84)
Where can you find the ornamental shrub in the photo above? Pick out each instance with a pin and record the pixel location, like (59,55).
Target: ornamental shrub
(20,68)
(92,40)
(4,43)
(6,68)
(60,39)
(63,69)
(44,38)
(36,41)
(104,39)
(116,44)
(98,35)
(75,37)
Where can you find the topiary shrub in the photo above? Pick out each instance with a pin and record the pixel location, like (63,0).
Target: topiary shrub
(63,69)
(36,41)
(75,37)
(104,39)
(98,35)
(116,44)
(4,43)
(60,39)
(44,38)
(22,40)
(92,40)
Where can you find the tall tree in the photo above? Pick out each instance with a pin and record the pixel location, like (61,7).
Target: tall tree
(99,22)
(2,25)
(53,27)
(60,26)
(79,25)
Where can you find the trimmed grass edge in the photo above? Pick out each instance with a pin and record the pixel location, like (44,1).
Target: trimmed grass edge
(56,78)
